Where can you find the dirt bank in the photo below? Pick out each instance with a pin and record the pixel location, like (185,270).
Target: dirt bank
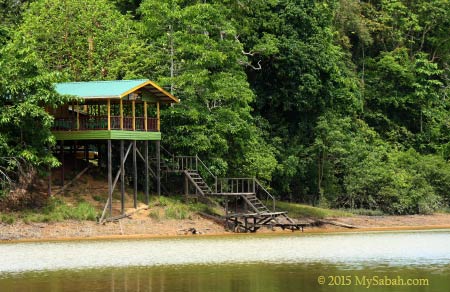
(143,226)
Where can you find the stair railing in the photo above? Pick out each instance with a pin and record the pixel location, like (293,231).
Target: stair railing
(165,151)
(206,172)
(194,163)
(234,186)
(269,196)
(220,185)
(168,158)
(237,185)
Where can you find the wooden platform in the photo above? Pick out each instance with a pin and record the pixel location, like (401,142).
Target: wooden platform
(251,222)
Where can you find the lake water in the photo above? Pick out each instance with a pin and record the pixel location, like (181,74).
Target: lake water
(379,261)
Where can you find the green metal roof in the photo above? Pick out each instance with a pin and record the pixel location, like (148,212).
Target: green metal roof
(113,89)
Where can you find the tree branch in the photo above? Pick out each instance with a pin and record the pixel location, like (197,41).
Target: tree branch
(248,64)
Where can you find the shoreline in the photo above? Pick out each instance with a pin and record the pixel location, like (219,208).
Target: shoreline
(308,230)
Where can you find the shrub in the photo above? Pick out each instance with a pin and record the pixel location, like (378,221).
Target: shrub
(175,208)
(179,211)
(7,218)
(58,211)
(401,182)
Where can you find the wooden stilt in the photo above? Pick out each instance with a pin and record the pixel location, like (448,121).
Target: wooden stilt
(99,155)
(122,177)
(186,186)
(158,167)
(75,162)
(135,174)
(110,190)
(86,153)
(147,199)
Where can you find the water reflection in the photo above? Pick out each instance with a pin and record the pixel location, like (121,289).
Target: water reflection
(241,277)
(242,263)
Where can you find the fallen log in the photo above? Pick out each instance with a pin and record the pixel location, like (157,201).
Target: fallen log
(340,224)
(216,219)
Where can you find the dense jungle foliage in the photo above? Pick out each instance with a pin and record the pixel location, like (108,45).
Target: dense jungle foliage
(338,103)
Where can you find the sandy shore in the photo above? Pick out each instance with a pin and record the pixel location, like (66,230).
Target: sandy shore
(141,227)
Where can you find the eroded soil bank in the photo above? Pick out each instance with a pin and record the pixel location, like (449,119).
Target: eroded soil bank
(140,225)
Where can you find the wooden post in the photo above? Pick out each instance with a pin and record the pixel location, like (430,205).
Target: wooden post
(186,186)
(78,116)
(122,177)
(110,191)
(147,199)
(109,114)
(121,114)
(145,116)
(158,167)
(158,124)
(135,174)
(86,153)
(133,109)
(62,162)
(99,155)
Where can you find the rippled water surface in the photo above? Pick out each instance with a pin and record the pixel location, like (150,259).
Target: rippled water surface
(234,263)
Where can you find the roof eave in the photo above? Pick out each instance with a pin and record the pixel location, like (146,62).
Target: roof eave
(171,98)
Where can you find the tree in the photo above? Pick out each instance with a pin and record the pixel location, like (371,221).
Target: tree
(25,136)
(303,75)
(84,40)
(195,46)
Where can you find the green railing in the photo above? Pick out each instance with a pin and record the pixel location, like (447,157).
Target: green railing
(101,123)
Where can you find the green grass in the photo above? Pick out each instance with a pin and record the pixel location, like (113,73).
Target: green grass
(175,208)
(444,210)
(7,218)
(306,211)
(365,212)
(57,210)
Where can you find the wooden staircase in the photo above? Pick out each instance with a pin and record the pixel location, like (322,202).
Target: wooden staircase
(254,203)
(198,182)
(256,213)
